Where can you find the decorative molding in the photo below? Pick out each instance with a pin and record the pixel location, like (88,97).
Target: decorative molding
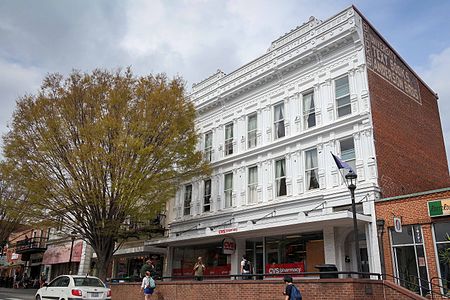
(279,56)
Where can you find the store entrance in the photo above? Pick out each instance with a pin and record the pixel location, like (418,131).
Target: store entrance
(409,259)
(255,254)
(285,254)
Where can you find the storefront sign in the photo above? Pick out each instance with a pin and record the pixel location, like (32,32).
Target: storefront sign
(298,267)
(439,208)
(227,230)
(228,246)
(383,61)
(398,224)
(60,253)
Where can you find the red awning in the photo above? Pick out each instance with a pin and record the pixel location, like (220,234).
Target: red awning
(60,253)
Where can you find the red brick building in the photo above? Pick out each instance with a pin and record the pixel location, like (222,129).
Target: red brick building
(409,145)
(415,234)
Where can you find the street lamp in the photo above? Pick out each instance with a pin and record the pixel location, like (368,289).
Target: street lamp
(73,235)
(351,181)
(380,227)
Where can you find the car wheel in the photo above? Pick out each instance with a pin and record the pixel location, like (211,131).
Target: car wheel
(38,297)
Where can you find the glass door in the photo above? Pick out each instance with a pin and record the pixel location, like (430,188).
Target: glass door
(255,254)
(409,259)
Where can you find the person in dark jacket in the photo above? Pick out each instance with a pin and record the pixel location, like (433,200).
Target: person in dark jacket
(148,266)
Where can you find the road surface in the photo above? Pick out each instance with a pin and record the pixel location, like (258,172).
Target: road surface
(17,294)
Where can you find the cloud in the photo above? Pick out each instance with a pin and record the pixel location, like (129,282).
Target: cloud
(437,74)
(15,81)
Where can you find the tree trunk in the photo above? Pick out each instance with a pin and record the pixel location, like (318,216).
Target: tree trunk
(104,256)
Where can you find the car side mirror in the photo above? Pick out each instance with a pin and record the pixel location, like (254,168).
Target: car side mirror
(45,284)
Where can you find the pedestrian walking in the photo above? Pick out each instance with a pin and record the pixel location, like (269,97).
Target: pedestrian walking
(246,268)
(199,268)
(148,286)
(42,279)
(148,266)
(291,292)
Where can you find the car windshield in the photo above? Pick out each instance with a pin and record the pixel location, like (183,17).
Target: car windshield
(88,282)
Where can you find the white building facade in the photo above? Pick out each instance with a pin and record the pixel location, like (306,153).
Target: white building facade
(268,129)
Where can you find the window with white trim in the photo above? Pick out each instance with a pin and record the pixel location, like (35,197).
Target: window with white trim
(342,93)
(280,177)
(311,169)
(228,190)
(229,139)
(207,196)
(347,147)
(208,146)
(187,199)
(279,120)
(309,110)
(252,184)
(251,130)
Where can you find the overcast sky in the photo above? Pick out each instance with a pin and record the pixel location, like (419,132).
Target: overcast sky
(194,38)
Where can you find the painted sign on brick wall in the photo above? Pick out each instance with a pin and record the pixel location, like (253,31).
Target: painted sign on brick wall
(438,208)
(383,61)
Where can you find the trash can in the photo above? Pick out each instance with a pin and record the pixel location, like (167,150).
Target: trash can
(327,268)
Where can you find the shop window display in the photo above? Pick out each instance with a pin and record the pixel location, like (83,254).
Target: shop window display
(294,253)
(215,261)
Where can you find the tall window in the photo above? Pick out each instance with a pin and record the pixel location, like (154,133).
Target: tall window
(409,259)
(252,184)
(279,120)
(228,190)
(208,146)
(280,177)
(207,196)
(342,96)
(311,169)
(309,110)
(251,133)
(348,152)
(229,139)
(187,199)
(442,238)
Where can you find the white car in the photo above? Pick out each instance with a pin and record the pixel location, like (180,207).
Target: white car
(70,287)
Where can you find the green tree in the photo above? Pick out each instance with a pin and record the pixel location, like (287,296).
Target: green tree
(14,206)
(97,149)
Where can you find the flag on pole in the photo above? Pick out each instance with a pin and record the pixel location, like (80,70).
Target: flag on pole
(341,164)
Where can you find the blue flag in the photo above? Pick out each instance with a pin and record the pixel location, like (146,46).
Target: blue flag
(341,164)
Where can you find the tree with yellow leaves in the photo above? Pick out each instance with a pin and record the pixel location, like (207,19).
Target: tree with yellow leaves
(95,150)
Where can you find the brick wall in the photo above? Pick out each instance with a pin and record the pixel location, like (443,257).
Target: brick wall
(332,289)
(412,211)
(408,140)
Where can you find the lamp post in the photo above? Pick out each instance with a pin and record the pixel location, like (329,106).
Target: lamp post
(351,181)
(380,227)
(72,236)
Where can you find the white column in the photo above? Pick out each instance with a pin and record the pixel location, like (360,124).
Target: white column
(329,245)
(86,257)
(167,269)
(236,257)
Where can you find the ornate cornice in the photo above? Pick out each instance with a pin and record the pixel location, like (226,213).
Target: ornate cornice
(298,47)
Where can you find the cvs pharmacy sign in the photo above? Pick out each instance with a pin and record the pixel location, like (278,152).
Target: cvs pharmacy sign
(228,246)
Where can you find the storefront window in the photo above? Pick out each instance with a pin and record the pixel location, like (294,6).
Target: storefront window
(442,237)
(215,261)
(410,259)
(129,268)
(294,253)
